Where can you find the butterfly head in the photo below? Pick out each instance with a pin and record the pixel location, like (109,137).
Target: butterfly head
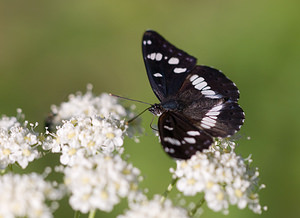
(156,109)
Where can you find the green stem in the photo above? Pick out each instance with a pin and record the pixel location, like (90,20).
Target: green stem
(92,213)
(200,203)
(169,189)
(76,214)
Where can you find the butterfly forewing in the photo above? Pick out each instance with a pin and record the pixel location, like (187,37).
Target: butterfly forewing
(181,139)
(167,66)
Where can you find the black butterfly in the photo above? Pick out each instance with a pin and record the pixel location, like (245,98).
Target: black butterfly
(197,102)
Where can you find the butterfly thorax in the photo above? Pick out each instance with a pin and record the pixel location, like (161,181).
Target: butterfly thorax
(169,105)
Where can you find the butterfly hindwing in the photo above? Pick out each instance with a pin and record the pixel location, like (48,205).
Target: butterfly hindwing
(181,139)
(222,120)
(209,83)
(167,66)
(210,102)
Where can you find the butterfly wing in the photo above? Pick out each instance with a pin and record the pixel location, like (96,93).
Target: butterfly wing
(166,65)
(181,139)
(211,102)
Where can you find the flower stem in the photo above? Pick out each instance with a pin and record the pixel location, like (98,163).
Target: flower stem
(92,213)
(194,210)
(76,214)
(169,189)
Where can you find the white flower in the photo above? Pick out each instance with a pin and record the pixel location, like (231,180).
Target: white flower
(7,122)
(26,196)
(86,136)
(100,181)
(155,209)
(224,177)
(17,142)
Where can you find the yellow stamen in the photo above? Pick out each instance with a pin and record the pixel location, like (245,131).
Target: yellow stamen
(71,135)
(26,152)
(72,151)
(220,196)
(110,135)
(238,193)
(209,184)
(6,151)
(104,195)
(191,181)
(91,144)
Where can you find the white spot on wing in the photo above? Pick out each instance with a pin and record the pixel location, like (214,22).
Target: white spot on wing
(193,77)
(152,56)
(214,96)
(168,127)
(158,56)
(179,70)
(217,108)
(206,88)
(172,141)
(209,120)
(193,133)
(144,42)
(201,85)
(205,126)
(190,140)
(173,61)
(157,75)
(149,42)
(198,80)
(212,113)
(208,92)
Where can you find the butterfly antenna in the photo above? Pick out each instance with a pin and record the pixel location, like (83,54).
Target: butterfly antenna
(132,119)
(130,99)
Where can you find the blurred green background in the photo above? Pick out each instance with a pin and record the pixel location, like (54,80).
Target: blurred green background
(49,49)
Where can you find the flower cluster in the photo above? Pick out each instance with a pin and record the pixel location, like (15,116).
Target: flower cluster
(155,208)
(100,181)
(224,177)
(89,135)
(85,137)
(104,106)
(26,196)
(17,142)
(88,132)
(88,105)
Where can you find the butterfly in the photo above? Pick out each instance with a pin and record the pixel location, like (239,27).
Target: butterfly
(197,103)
